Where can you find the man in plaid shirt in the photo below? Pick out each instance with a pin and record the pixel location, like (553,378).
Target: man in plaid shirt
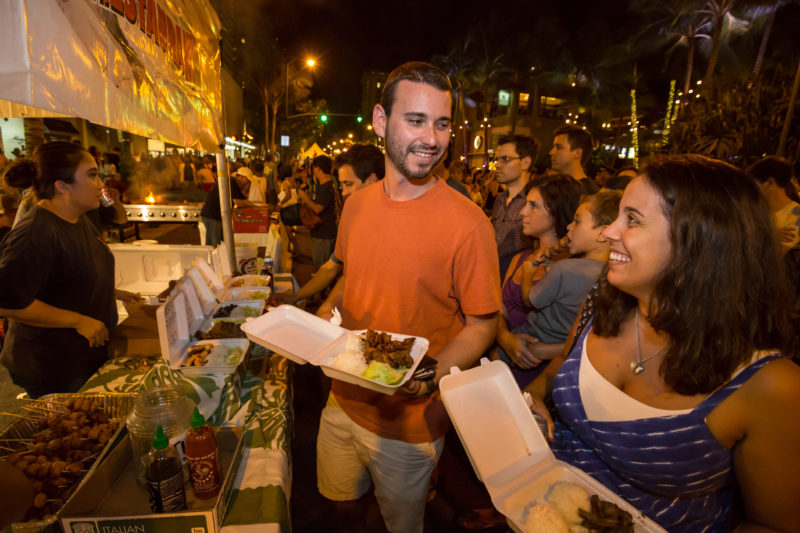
(514,161)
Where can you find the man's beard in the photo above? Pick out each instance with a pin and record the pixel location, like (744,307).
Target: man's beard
(398,156)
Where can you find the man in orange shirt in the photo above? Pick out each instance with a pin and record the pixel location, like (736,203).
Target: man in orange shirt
(420,259)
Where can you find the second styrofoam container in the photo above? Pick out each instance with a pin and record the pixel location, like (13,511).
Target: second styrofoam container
(506,448)
(306,338)
(246,293)
(174,337)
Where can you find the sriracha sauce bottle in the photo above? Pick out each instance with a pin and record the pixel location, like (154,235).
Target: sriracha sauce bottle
(203,458)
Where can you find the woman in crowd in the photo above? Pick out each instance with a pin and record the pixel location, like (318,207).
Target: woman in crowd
(57,275)
(550,207)
(675,395)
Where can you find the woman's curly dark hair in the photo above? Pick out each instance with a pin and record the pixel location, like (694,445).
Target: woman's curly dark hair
(561,195)
(724,294)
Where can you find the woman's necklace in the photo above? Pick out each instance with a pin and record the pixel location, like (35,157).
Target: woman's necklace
(637,367)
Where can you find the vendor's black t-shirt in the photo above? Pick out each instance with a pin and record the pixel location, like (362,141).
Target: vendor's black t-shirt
(65,265)
(211,207)
(324,196)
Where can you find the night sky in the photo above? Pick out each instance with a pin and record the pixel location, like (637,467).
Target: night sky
(350,37)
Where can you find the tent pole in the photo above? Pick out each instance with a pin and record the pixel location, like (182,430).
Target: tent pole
(224,181)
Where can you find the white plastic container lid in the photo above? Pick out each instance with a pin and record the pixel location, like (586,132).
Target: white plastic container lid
(207,299)
(212,280)
(507,449)
(194,311)
(219,262)
(306,338)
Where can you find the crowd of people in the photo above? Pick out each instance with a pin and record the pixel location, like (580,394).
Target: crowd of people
(647,312)
(650,314)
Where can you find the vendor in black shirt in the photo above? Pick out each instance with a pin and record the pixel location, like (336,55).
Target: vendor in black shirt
(211,213)
(56,276)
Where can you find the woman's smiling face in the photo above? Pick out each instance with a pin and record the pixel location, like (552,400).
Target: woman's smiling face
(641,247)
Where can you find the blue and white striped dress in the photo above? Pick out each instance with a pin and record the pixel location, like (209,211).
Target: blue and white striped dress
(671,468)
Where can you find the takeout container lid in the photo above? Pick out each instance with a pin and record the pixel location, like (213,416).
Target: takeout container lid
(174,338)
(194,310)
(505,446)
(212,279)
(219,261)
(306,338)
(208,300)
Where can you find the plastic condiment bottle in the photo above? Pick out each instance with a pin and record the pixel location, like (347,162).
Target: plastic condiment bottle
(164,475)
(203,457)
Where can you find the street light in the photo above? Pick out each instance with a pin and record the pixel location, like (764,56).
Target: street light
(310,63)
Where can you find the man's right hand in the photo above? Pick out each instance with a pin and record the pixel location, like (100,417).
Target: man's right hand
(94,331)
(288,297)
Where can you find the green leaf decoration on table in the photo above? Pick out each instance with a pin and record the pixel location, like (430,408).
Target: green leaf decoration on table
(207,383)
(257,506)
(271,419)
(117,379)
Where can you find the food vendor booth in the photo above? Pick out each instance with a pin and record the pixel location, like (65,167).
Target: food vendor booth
(151,68)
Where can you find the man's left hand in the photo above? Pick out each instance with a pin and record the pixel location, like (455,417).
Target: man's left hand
(417,389)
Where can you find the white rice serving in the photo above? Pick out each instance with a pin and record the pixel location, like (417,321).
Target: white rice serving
(544,518)
(351,360)
(567,498)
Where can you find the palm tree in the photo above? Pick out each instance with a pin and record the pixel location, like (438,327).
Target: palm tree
(725,24)
(484,72)
(456,64)
(299,83)
(676,24)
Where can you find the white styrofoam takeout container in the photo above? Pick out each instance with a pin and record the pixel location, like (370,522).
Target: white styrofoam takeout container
(306,338)
(174,337)
(506,447)
(212,321)
(248,280)
(257,305)
(211,279)
(194,310)
(204,290)
(245,293)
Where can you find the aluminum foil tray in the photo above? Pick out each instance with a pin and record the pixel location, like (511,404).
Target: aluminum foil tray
(115,405)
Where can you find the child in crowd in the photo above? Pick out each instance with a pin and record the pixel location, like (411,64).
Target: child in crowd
(556,298)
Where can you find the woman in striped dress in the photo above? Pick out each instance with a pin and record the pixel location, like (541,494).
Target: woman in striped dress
(676,395)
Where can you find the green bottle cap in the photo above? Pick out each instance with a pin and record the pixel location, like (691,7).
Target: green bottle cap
(160,441)
(197,419)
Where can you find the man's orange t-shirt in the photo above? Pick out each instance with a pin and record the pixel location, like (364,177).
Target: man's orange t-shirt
(414,267)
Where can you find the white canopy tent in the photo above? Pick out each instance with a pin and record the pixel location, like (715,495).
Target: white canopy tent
(151,67)
(148,67)
(312,152)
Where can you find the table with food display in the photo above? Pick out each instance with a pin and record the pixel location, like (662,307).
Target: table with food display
(223,366)
(82,453)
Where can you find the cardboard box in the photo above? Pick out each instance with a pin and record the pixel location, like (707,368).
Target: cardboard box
(506,447)
(251,220)
(112,499)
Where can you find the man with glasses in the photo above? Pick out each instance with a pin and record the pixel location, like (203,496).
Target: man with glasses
(514,161)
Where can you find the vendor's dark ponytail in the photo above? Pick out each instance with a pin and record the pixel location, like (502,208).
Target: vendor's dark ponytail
(20,174)
(51,162)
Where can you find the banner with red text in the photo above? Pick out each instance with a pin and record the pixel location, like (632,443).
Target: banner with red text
(149,67)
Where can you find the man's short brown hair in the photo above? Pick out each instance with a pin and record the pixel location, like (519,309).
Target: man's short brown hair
(418,72)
